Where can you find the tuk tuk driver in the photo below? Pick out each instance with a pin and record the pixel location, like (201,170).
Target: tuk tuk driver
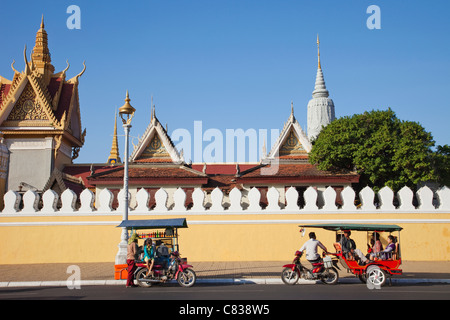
(311,248)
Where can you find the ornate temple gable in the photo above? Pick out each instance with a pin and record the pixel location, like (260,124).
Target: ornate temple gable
(155,149)
(29,110)
(155,145)
(10,93)
(291,142)
(28,93)
(292,146)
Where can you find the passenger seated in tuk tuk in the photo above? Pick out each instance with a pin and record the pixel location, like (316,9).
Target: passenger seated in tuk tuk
(149,256)
(369,248)
(162,253)
(377,246)
(390,249)
(349,248)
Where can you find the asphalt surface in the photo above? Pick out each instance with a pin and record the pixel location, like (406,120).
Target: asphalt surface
(223,297)
(260,272)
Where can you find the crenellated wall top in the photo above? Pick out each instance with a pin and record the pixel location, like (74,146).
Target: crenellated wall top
(385,201)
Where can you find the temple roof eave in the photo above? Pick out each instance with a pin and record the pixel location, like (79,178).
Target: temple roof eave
(44,131)
(304,180)
(143,182)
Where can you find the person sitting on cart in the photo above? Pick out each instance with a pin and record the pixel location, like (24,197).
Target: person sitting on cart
(377,246)
(162,253)
(349,248)
(311,248)
(390,248)
(149,256)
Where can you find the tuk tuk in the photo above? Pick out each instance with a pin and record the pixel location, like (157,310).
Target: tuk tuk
(379,265)
(163,237)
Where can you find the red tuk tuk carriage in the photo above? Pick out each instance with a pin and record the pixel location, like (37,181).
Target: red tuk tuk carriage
(381,266)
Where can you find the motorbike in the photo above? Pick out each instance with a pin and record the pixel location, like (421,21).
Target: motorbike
(325,271)
(164,271)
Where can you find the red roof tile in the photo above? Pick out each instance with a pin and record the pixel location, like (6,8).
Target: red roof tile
(225,168)
(64,100)
(53,86)
(154,160)
(84,171)
(4,90)
(156,175)
(297,172)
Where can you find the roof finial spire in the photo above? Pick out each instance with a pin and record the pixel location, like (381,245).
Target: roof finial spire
(153,112)
(151,109)
(264,151)
(318,52)
(114,157)
(320,89)
(41,54)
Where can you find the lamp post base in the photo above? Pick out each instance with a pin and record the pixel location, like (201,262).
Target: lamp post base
(121,256)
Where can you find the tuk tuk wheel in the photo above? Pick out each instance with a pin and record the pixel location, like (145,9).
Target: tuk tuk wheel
(375,276)
(140,275)
(331,276)
(187,278)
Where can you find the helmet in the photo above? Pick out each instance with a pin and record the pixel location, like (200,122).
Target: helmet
(298,253)
(175,253)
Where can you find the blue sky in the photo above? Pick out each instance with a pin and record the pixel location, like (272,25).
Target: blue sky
(238,63)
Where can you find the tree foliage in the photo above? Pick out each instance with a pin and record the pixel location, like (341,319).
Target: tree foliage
(384,150)
(442,164)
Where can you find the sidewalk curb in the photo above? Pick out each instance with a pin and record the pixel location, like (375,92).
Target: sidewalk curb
(230,281)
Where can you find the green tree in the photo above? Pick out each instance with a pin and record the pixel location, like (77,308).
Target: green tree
(384,150)
(442,164)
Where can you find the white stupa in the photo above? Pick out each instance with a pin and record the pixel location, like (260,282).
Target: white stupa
(320,107)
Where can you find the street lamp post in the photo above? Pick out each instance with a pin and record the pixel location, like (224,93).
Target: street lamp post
(126,113)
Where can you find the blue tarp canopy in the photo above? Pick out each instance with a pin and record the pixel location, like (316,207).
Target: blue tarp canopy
(354,226)
(153,224)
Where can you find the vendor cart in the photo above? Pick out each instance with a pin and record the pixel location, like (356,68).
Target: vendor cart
(158,230)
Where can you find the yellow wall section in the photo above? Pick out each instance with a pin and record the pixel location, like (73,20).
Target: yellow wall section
(210,237)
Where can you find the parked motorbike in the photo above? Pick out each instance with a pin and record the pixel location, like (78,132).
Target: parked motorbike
(163,272)
(325,271)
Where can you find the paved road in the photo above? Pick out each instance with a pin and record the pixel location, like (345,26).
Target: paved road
(246,292)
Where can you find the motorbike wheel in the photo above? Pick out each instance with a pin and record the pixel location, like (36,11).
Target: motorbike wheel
(330,276)
(375,276)
(289,277)
(186,278)
(140,275)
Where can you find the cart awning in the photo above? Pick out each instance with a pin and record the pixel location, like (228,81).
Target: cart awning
(354,226)
(153,224)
